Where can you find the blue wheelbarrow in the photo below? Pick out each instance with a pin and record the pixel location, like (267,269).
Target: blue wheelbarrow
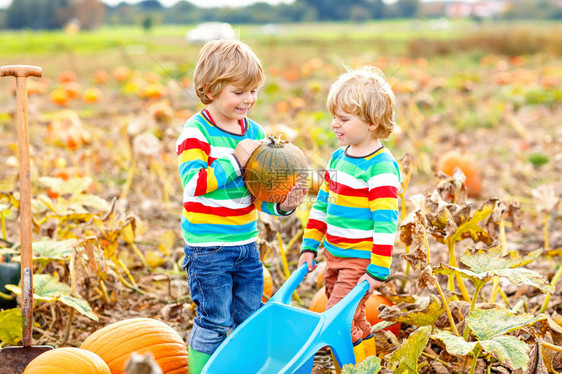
(280,338)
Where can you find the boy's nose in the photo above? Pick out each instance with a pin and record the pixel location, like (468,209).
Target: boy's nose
(248,98)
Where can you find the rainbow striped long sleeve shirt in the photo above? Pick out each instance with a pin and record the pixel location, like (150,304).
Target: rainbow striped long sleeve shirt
(218,209)
(355,214)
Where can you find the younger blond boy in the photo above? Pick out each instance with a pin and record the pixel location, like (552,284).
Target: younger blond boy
(356,211)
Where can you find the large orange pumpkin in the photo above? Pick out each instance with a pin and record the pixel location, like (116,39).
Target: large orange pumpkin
(448,161)
(68,360)
(319,302)
(267,285)
(273,169)
(114,343)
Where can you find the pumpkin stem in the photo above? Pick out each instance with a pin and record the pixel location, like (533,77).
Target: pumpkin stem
(276,143)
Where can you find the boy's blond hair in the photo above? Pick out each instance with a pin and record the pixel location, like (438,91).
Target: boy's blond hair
(226,61)
(365,94)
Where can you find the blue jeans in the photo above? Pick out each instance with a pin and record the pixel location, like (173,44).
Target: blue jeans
(226,284)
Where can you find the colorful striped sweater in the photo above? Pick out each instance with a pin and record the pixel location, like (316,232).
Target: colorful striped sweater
(356,211)
(217,207)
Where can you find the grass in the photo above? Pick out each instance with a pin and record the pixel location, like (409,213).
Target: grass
(171,38)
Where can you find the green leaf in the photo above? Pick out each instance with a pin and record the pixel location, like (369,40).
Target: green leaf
(48,289)
(370,365)
(486,264)
(405,358)
(80,305)
(526,276)
(474,277)
(455,345)
(53,249)
(489,323)
(482,261)
(508,350)
(47,250)
(10,326)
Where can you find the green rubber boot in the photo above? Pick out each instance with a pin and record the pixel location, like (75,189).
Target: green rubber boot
(196,361)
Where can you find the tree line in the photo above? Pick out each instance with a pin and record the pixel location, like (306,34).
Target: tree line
(90,14)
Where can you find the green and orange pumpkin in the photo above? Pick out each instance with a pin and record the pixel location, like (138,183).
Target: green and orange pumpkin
(116,342)
(67,360)
(273,169)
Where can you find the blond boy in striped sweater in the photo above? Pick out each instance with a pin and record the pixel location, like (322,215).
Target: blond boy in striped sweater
(219,220)
(356,211)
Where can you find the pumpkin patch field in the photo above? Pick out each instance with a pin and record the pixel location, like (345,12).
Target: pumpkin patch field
(475,278)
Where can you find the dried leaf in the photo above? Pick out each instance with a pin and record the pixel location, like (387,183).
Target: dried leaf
(416,202)
(424,312)
(426,278)
(548,355)
(470,228)
(417,257)
(452,188)
(536,363)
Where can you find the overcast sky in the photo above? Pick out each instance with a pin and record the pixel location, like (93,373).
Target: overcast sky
(200,3)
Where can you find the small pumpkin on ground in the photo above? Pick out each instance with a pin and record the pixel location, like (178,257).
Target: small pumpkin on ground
(116,342)
(273,169)
(67,360)
(448,161)
(9,274)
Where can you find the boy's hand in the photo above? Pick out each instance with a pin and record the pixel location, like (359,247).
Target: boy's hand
(308,258)
(373,283)
(244,150)
(294,197)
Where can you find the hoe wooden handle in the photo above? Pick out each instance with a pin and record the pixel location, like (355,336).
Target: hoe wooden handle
(20,71)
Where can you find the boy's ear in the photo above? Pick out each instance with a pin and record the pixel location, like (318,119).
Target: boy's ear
(209,96)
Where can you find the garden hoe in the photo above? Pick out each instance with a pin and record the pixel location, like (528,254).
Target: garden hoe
(13,360)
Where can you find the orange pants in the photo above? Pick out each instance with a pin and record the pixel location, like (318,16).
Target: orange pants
(341,275)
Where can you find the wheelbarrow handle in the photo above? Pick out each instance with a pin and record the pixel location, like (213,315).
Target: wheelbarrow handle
(348,304)
(284,294)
